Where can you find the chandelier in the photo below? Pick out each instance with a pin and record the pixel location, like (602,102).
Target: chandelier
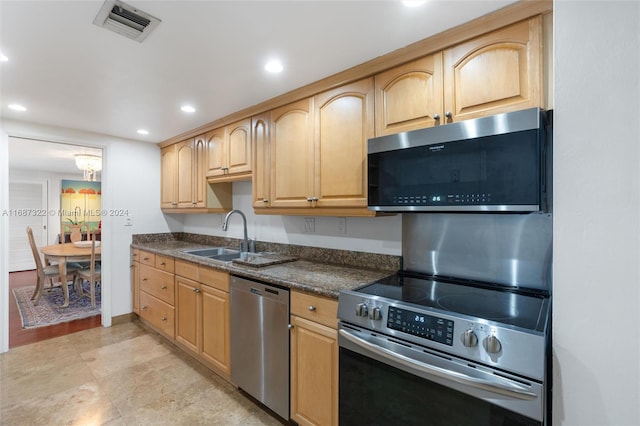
(89,164)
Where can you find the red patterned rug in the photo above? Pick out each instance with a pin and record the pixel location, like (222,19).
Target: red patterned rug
(48,311)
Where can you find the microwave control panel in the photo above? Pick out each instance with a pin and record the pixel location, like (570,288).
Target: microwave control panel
(448,199)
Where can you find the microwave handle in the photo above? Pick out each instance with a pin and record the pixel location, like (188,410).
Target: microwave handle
(505,388)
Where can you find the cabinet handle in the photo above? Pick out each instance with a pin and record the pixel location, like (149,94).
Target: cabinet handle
(309,199)
(436,116)
(448,114)
(312,308)
(163,318)
(264,200)
(163,264)
(164,287)
(145,258)
(196,290)
(144,279)
(314,198)
(290,326)
(145,307)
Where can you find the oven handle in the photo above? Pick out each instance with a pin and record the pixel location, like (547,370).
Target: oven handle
(509,389)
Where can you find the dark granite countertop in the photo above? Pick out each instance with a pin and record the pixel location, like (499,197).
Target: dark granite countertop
(320,278)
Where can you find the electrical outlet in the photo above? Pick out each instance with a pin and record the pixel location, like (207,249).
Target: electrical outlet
(342,225)
(309,225)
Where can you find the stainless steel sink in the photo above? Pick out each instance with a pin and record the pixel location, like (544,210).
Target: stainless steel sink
(217,253)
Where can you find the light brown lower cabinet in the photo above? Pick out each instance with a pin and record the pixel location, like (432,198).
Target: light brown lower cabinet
(202,314)
(314,360)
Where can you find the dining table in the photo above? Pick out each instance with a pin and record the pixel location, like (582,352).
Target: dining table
(67,253)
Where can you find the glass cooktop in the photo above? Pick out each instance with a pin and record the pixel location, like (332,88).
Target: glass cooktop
(504,306)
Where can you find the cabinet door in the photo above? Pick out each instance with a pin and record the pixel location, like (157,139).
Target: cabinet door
(239,148)
(292,155)
(200,171)
(262,160)
(216,155)
(188,313)
(215,328)
(168,166)
(495,73)
(409,96)
(184,153)
(343,124)
(314,373)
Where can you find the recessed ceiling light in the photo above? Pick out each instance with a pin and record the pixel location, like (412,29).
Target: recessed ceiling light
(413,3)
(3,58)
(188,108)
(274,66)
(143,132)
(17,107)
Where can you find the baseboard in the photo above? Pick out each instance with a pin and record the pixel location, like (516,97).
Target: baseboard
(123,319)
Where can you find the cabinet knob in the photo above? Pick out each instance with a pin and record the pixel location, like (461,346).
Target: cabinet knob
(145,258)
(174,203)
(309,199)
(436,116)
(264,200)
(314,198)
(164,287)
(163,318)
(196,290)
(144,279)
(145,307)
(163,264)
(290,326)
(312,308)
(448,114)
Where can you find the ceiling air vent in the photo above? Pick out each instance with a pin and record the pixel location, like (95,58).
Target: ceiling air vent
(126,20)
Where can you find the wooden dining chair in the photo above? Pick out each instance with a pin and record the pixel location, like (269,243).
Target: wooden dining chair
(45,272)
(92,274)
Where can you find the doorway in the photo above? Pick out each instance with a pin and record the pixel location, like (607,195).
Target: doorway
(37,169)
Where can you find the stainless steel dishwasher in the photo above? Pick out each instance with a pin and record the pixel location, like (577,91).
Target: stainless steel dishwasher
(260,342)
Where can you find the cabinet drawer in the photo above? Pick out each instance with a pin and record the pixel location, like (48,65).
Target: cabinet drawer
(164,263)
(315,308)
(187,270)
(214,278)
(157,283)
(147,258)
(158,314)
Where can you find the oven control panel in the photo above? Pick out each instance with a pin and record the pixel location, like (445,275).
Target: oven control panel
(426,326)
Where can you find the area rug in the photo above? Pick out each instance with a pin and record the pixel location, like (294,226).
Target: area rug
(48,311)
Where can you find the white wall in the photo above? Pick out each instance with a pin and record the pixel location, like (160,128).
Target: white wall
(596,322)
(4,241)
(373,235)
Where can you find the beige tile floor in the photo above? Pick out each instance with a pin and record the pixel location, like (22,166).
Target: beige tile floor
(122,375)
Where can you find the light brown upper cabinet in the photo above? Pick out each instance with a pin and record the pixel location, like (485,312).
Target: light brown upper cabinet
(494,73)
(409,96)
(183,181)
(229,152)
(261,176)
(318,151)
(292,154)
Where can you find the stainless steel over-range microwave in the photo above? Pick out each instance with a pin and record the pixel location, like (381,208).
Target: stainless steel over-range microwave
(500,163)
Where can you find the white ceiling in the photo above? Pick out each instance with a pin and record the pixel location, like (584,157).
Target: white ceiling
(71,73)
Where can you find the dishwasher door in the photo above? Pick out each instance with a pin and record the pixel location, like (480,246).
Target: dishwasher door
(260,342)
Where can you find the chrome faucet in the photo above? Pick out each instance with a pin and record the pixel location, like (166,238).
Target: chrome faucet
(244,245)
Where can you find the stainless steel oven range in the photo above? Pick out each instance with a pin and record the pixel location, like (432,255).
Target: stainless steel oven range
(461,335)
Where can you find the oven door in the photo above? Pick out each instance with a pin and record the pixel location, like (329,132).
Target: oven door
(387,381)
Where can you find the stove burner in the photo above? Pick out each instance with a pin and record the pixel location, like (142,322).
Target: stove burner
(480,305)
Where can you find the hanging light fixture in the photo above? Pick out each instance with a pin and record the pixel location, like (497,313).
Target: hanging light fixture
(89,164)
